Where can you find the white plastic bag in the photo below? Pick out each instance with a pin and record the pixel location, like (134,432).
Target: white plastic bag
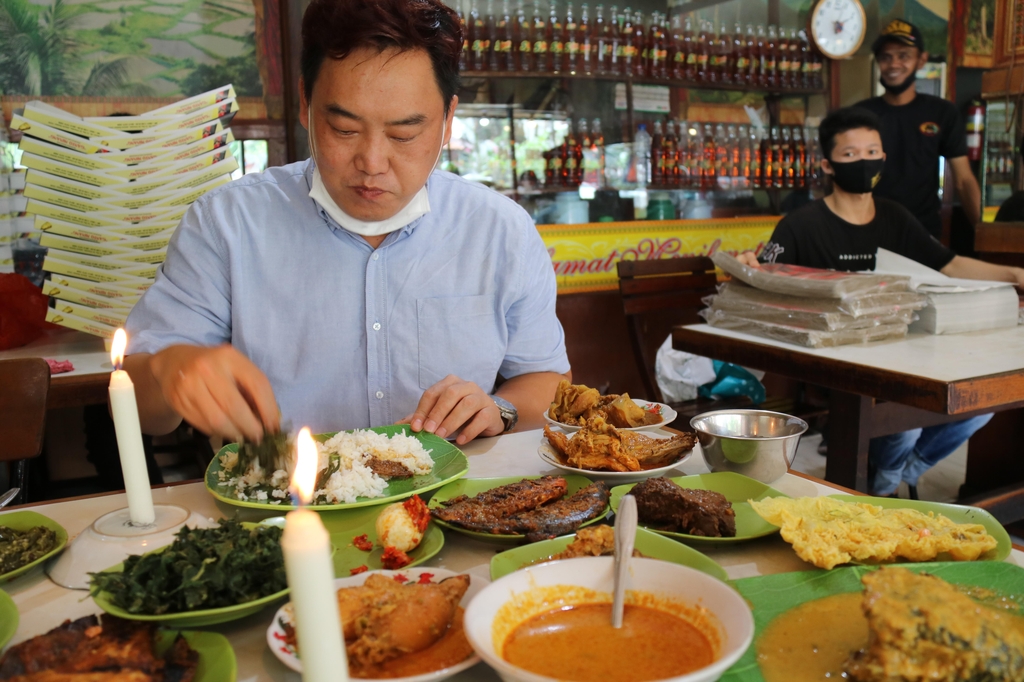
(680,374)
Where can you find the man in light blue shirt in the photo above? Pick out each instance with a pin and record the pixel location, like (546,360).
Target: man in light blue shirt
(365,288)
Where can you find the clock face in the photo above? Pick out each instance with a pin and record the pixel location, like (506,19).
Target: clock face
(838,27)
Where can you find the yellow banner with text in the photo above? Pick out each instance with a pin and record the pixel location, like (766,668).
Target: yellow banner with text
(584,256)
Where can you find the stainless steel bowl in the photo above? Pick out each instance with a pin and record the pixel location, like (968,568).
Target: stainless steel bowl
(756,443)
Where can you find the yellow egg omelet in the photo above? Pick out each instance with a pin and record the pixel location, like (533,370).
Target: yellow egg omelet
(827,532)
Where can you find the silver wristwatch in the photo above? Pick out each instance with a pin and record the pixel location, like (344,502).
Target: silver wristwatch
(509,414)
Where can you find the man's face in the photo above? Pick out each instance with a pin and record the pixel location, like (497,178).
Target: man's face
(378,124)
(897,62)
(854,145)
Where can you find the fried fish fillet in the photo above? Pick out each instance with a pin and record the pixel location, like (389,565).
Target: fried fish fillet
(599,446)
(922,628)
(827,532)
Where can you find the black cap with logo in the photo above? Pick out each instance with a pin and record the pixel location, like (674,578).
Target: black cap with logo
(899,31)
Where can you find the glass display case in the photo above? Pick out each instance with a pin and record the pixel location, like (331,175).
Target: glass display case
(997,160)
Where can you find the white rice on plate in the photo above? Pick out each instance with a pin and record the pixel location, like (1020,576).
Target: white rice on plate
(347,453)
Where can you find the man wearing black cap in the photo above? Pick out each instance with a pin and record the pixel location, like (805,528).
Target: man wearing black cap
(916,130)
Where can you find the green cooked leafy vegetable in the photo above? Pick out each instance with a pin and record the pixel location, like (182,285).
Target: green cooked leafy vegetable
(21,547)
(204,568)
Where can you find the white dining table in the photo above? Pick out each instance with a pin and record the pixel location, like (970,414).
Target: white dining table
(43,605)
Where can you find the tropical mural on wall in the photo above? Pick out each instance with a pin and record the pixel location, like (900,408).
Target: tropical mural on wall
(127,48)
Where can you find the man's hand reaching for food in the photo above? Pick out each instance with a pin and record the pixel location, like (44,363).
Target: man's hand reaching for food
(217,390)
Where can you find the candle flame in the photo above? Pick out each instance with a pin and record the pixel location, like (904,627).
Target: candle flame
(306,461)
(117,347)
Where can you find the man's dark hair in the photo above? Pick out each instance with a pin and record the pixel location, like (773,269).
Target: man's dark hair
(841,120)
(335,28)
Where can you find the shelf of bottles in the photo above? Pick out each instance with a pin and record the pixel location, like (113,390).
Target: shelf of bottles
(691,155)
(626,45)
(997,163)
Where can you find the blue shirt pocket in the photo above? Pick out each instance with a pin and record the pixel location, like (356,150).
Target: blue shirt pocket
(460,335)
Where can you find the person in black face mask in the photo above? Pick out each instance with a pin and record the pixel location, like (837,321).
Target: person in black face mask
(844,231)
(916,130)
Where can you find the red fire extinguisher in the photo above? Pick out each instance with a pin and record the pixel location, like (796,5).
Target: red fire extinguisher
(975,129)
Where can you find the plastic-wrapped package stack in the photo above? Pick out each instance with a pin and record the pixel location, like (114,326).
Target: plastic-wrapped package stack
(107,192)
(810,307)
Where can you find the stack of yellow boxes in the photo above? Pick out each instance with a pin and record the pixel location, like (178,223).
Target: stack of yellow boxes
(107,192)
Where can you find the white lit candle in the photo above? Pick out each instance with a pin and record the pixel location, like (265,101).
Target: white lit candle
(307,562)
(129,437)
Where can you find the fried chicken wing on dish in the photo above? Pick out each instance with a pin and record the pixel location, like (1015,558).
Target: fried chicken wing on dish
(922,628)
(600,446)
(383,619)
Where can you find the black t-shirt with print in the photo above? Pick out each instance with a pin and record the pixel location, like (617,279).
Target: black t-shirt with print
(914,136)
(815,237)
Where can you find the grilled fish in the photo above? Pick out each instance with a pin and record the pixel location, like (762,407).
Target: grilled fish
(561,517)
(491,508)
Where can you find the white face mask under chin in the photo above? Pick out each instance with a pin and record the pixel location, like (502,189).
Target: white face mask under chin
(419,205)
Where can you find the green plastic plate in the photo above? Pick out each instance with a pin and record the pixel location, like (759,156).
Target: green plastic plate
(772,595)
(24,520)
(737,489)
(344,526)
(957,513)
(649,544)
(475,486)
(217,661)
(189,619)
(8,618)
(450,464)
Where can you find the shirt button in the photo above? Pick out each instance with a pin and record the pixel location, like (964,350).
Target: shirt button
(376,326)
(376,255)
(380,395)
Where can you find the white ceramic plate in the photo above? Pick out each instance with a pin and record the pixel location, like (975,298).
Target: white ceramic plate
(286,653)
(668,416)
(548,454)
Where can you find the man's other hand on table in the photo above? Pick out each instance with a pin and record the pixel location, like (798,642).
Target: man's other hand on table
(453,404)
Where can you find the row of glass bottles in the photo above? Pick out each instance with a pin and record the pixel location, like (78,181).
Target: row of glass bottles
(627,44)
(719,156)
(999,159)
(578,159)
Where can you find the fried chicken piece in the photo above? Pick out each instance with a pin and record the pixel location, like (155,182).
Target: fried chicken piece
(662,504)
(388,469)
(108,676)
(491,509)
(922,628)
(573,402)
(47,651)
(384,619)
(91,649)
(624,413)
(599,446)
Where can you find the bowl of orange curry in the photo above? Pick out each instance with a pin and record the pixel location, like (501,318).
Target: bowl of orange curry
(553,622)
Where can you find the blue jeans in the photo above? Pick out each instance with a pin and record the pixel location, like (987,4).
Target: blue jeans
(905,456)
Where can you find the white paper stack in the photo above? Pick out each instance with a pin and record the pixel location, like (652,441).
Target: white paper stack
(810,307)
(107,192)
(954,305)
